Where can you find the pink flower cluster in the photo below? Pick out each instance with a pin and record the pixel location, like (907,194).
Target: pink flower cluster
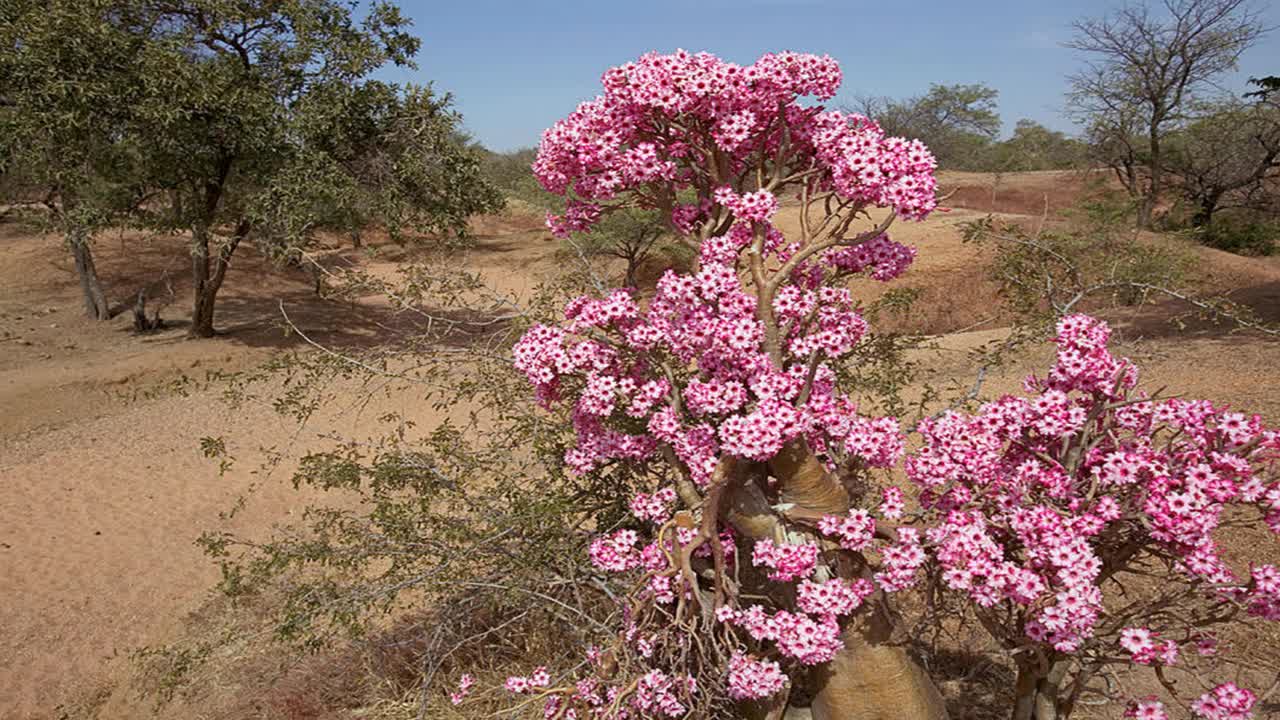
(1084,363)
(854,532)
(1146,710)
(628,137)
(465,683)
(587,692)
(892,503)
(1027,492)
(758,206)
(1146,647)
(1262,593)
(806,639)
(833,597)
(616,552)
(902,561)
(737,401)
(520,685)
(786,562)
(655,508)
(1227,701)
(879,257)
(752,679)
(657,694)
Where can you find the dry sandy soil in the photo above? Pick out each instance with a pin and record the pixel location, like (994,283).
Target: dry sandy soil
(104,487)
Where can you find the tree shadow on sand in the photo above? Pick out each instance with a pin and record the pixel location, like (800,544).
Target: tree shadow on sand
(1175,319)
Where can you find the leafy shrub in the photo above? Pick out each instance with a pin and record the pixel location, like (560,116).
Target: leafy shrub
(1093,259)
(1242,237)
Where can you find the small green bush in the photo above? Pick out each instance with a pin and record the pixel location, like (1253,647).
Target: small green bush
(1242,237)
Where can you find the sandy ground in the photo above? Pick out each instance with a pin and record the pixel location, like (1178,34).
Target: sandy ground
(103,487)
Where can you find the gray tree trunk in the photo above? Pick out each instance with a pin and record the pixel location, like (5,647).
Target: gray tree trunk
(1146,211)
(208,270)
(95,300)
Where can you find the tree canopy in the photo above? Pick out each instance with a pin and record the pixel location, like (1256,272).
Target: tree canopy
(956,121)
(1143,70)
(238,120)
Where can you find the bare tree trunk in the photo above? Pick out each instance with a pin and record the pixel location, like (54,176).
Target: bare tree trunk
(1146,211)
(1203,216)
(633,273)
(95,300)
(208,270)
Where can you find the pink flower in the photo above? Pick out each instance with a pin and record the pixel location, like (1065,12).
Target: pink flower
(751,679)
(465,684)
(854,531)
(1227,701)
(893,503)
(1146,710)
(788,562)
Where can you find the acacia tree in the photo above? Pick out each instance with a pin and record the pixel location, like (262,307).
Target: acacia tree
(632,236)
(222,82)
(1227,158)
(955,121)
(67,87)
(373,154)
(1142,70)
(1035,147)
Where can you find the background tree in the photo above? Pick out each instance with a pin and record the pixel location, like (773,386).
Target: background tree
(222,83)
(956,121)
(67,86)
(1114,141)
(510,171)
(632,236)
(1035,147)
(1267,86)
(1143,69)
(1228,158)
(374,155)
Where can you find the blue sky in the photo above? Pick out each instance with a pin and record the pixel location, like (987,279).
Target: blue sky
(516,67)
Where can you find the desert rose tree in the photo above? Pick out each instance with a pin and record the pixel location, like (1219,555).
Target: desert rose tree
(1076,524)
(750,580)
(1079,523)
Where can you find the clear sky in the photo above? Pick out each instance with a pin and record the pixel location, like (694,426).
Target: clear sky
(516,66)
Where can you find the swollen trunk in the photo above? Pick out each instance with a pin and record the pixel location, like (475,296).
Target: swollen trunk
(870,679)
(1036,692)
